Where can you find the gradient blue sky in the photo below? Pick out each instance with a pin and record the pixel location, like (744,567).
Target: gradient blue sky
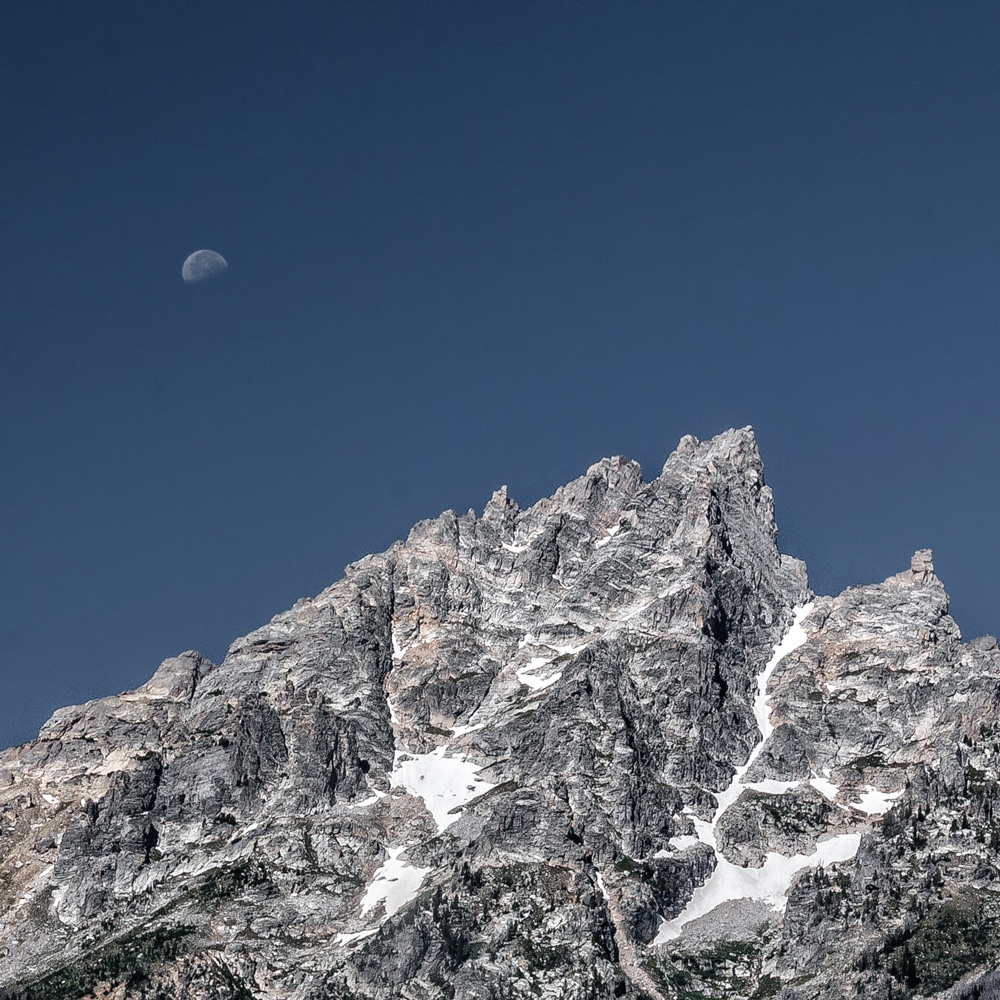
(470,244)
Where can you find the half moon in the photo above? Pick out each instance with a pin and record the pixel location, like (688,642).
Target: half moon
(202,265)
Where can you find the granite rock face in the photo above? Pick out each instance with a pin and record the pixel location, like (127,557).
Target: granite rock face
(610,746)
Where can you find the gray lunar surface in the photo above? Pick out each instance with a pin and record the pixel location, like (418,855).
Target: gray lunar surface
(609,746)
(202,265)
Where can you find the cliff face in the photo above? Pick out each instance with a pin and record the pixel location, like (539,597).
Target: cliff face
(610,746)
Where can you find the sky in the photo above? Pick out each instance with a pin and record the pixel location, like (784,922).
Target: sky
(474,244)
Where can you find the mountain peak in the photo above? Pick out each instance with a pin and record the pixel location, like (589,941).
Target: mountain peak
(921,572)
(579,750)
(737,447)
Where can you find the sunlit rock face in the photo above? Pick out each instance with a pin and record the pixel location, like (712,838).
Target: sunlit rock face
(609,746)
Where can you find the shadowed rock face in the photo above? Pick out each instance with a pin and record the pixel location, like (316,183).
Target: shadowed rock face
(487,763)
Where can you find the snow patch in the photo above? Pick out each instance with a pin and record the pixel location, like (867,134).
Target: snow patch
(533,707)
(526,675)
(444,779)
(375,796)
(680,843)
(875,803)
(342,939)
(825,787)
(769,883)
(570,650)
(38,882)
(769,786)
(792,639)
(465,730)
(395,884)
(611,532)
(514,548)
(397,648)
(705,832)
(400,649)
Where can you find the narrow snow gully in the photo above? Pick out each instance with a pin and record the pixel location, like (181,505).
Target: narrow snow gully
(771,881)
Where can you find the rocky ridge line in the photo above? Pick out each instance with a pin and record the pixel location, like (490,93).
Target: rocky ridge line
(520,754)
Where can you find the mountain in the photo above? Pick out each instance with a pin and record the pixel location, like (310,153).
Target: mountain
(609,746)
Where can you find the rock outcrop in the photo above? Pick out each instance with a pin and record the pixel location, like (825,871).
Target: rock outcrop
(609,746)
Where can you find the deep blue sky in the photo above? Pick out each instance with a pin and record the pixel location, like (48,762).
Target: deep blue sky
(470,244)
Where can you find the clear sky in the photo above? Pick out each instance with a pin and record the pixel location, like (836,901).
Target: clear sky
(470,244)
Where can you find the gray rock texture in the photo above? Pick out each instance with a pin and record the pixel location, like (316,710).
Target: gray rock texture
(488,762)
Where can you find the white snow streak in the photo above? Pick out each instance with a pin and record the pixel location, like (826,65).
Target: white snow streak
(527,708)
(770,786)
(770,882)
(612,531)
(465,730)
(792,639)
(825,787)
(343,939)
(571,650)
(603,888)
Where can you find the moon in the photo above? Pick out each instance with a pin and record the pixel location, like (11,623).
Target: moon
(202,265)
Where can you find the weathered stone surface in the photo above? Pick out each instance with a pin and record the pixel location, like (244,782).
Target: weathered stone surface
(487,762)
(788,823)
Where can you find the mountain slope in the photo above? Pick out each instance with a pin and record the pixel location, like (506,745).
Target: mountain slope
(610,746)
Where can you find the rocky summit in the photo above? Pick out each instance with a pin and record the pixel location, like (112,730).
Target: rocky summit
(609,746)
